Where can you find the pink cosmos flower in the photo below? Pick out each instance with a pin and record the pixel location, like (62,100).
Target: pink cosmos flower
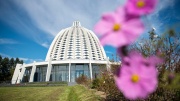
(115,30)
(138,76)
(140,7)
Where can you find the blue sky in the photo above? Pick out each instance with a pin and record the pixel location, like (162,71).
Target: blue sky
(27,27)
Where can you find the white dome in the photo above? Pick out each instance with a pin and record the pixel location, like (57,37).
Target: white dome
(76,42)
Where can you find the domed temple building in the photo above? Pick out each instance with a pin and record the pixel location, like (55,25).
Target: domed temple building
(73,52)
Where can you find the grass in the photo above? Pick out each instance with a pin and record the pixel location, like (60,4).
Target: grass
(55,93)
(80,93)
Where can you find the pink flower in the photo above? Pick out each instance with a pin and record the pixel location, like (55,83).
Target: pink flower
(115,30)
(140,7)
(138,76)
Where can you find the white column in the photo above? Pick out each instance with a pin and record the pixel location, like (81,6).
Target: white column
(16,74)
(48,73)
(32,72)
(108,64)
(21,74)
(70,71)
(90,69)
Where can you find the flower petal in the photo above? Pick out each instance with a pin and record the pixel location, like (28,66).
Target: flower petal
(133,27)
(132,91)
(103,27)
(147,76)
(114,39)
(149,85)
(132,8)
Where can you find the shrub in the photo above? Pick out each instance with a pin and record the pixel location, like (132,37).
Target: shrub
(84,80)
(106,84)
(95,83)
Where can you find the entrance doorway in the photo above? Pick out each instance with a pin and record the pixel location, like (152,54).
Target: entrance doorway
(79,73)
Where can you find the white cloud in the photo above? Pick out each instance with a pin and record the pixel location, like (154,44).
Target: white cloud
(154,21)
(109,52)
(41,20)
(7,41)
(5,55)
(46,45)
(51,16)
(24,59)
(28,60)
(30,17)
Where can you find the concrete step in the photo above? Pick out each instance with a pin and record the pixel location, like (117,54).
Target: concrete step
(72,83)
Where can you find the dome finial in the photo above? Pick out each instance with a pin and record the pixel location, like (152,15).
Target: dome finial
(76,23)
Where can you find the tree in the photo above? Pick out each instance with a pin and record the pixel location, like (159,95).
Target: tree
(7,67)
(12,62)
(0,58)
(167,46)
(1,68)
(21,62)
(17,61)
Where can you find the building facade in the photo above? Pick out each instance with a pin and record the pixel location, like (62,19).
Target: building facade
(73,52)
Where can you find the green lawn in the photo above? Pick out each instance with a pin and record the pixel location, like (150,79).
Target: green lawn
(58,93)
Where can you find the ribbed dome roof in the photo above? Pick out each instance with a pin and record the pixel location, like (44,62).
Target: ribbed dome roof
(76,42)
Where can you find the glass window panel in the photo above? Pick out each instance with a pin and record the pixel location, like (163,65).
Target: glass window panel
(60,73)
(27,74)
(40,74)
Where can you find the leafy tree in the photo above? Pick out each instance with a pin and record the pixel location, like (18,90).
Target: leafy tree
(0,68)
(0,58)
(7,67)
(12,62)
(21,62)
(166,46)
(17,61)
